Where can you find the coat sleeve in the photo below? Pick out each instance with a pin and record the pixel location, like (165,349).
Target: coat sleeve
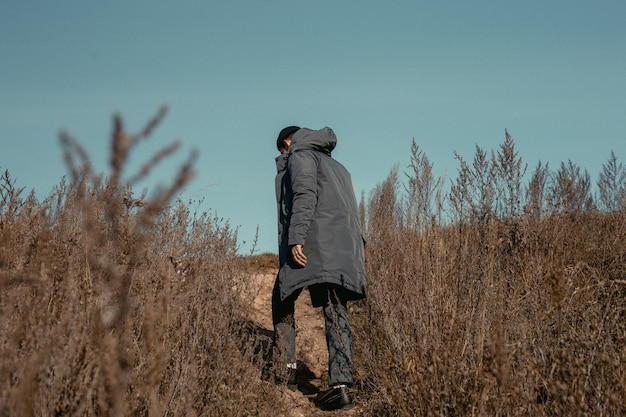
(302,171)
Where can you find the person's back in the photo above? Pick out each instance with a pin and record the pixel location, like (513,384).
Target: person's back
(323,217)
(320,247)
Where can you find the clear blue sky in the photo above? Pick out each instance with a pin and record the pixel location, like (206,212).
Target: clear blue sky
(451,74)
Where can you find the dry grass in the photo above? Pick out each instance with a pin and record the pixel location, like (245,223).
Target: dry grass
(490,299)
(494,314)
(121,306)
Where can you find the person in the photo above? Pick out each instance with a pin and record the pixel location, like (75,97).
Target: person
(321,247)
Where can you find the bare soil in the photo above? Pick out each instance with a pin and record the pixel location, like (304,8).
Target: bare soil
(311,348)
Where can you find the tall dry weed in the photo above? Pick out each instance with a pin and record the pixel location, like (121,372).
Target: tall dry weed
(506,309)
(116,305)
(493,298)
(612,185)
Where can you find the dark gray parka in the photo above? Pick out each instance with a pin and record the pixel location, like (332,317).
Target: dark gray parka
(317,208)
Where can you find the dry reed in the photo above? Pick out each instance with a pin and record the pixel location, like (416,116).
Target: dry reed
(494,298)
(98,320)
(495,312)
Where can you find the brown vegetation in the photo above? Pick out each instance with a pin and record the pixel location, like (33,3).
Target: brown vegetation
(119,308)
(516,307)
(494,298)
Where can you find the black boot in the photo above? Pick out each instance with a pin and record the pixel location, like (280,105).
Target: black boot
(335,398)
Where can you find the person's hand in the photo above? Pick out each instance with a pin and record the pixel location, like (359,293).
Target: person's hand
(298,255)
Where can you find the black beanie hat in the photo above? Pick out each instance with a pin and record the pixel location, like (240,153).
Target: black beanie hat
(284,134)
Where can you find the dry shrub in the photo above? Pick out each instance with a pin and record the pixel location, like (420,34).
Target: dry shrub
(121,306)
(494,312)
(491,300)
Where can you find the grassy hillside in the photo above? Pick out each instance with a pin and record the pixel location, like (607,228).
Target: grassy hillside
(495,297)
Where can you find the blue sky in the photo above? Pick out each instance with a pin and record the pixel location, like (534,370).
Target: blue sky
(451,74)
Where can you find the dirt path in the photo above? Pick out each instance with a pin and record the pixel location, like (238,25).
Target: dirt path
(310,346)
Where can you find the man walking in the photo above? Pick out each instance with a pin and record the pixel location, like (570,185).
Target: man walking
(320,247)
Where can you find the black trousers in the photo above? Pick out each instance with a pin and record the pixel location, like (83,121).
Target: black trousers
(336,322)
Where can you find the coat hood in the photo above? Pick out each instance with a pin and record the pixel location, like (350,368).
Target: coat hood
(281,162)
(323,140)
